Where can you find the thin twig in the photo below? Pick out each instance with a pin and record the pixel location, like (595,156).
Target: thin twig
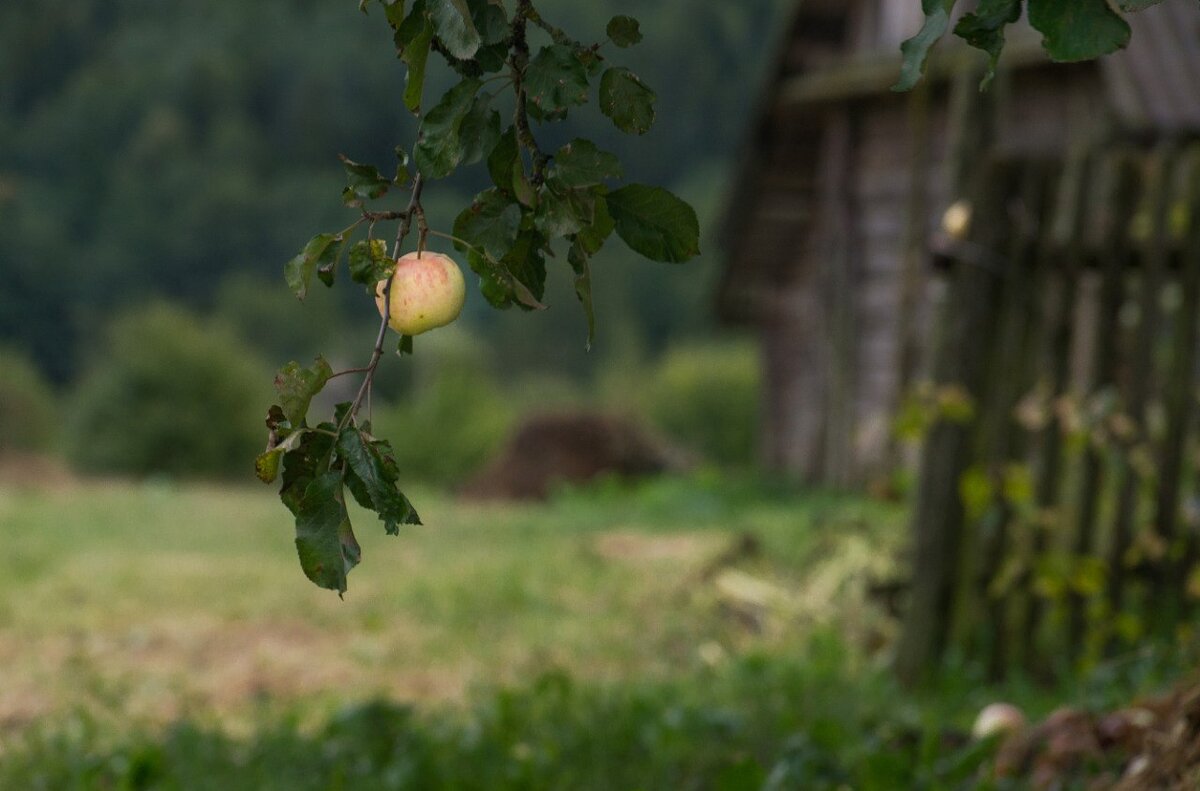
(406,217)
(555,33)
(362,370)
(519,60)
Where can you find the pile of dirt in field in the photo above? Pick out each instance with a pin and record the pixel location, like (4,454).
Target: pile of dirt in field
(1151,744)
(573,448)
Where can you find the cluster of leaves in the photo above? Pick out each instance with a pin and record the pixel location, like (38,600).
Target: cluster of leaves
(318,464)
(1072,30)
(538,200)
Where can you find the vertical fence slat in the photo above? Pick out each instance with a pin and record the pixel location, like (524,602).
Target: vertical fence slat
(937,513)
(1117,198)
(1140,375)
(1169,587)
(1007,375)
(1066,241)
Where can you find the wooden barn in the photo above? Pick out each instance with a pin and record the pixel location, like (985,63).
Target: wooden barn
(835,224)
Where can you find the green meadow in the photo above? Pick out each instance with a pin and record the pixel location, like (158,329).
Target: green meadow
(684,633)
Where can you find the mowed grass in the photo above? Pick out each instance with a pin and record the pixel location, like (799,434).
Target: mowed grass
(152,601)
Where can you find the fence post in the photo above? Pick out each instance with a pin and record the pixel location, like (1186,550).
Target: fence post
(1113,211)
(1141,373)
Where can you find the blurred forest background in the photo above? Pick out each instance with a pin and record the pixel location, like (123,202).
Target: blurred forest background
(159,163)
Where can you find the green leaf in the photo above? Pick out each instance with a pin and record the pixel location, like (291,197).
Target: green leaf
(327,269)
(324,539)
(480,129)
(916,49)
(593,236)
(489,223)
(984,29)
(266,466)
(370,262)
(297,386)
(504,159)
(413,40)
(655,223)
(394,11)
(627,101)
(299,271)
(581,164)
(490,20)
(528,269)
(555,79)
(303,464)
(364,182)
(577,257)
(440,149)
(1079,29)
(372,477)
(455,28)
(520,277)
(495,284)
(624,31)
(563,211)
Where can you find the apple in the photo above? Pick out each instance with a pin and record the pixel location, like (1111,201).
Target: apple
(428,291)
(998,718)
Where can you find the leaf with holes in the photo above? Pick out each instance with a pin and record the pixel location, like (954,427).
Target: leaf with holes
(370,262)
(624,31)
(555,79)
(364,182)
(297,385)
(320,250)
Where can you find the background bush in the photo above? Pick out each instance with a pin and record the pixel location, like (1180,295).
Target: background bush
(706,397)
(455,416)
(169,393)
(26,405)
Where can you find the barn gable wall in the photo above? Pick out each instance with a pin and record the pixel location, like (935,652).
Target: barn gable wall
(833,233)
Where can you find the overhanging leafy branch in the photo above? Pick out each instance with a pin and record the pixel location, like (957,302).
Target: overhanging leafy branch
(1072,30)
(539,200)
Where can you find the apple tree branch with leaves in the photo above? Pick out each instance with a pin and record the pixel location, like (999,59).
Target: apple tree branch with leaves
(1072,30)
(516,72)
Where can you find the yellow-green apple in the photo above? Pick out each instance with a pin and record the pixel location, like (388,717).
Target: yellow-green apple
(428,291)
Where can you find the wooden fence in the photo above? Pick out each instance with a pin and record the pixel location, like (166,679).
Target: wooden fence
(1055,512)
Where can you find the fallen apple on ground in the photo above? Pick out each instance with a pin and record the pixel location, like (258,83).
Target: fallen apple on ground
(428,291)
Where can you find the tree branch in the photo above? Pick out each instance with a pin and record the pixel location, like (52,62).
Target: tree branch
(406,217)
(520,59)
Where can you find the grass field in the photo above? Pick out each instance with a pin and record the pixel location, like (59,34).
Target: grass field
(157,600)
(691,633)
